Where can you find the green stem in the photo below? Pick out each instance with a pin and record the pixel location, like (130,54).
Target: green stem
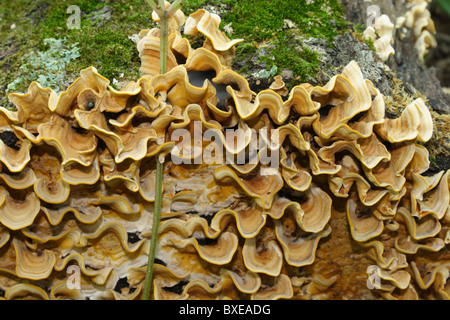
(164,38)
(164,35)
(156,218)
(152,4)
(174,7)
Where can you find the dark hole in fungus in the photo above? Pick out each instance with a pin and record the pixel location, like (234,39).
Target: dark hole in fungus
(293,195)
(180,58)
(90,105)
(234,86)
(134,237)
(234,128)
(288,148)
(91,267)
(2,293)
(324,111)
(206,241)
(79,130)
(159,261)
(390,115)
(197,78)
(387,144)
(121,284)
(10,139)
(131,101)
(178,288)
(222,105)
(357,117)
(363,212)
(208,217)
(113,115)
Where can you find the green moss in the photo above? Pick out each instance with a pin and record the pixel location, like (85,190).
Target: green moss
(370,43)
(262,20)
(265,24)
(433,159)
(300,59)
(359,31)
(190,6)
(108,48)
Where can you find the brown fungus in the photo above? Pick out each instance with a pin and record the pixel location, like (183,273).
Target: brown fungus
(78,172)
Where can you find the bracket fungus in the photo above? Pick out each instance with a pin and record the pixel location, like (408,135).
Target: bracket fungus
(418,20)
(77,187)
(382,35)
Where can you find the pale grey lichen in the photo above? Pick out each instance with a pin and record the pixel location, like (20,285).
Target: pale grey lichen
(46,67)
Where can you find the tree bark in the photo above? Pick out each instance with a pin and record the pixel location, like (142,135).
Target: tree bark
(406,63)
(406,66)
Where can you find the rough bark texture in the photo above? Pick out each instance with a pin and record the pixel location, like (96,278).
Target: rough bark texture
(403,76)
(405,63)
(416,78)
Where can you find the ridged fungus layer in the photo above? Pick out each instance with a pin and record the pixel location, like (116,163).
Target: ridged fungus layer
(418,20)
(77,186)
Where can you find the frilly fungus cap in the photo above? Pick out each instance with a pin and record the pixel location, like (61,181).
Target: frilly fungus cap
(77,183)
